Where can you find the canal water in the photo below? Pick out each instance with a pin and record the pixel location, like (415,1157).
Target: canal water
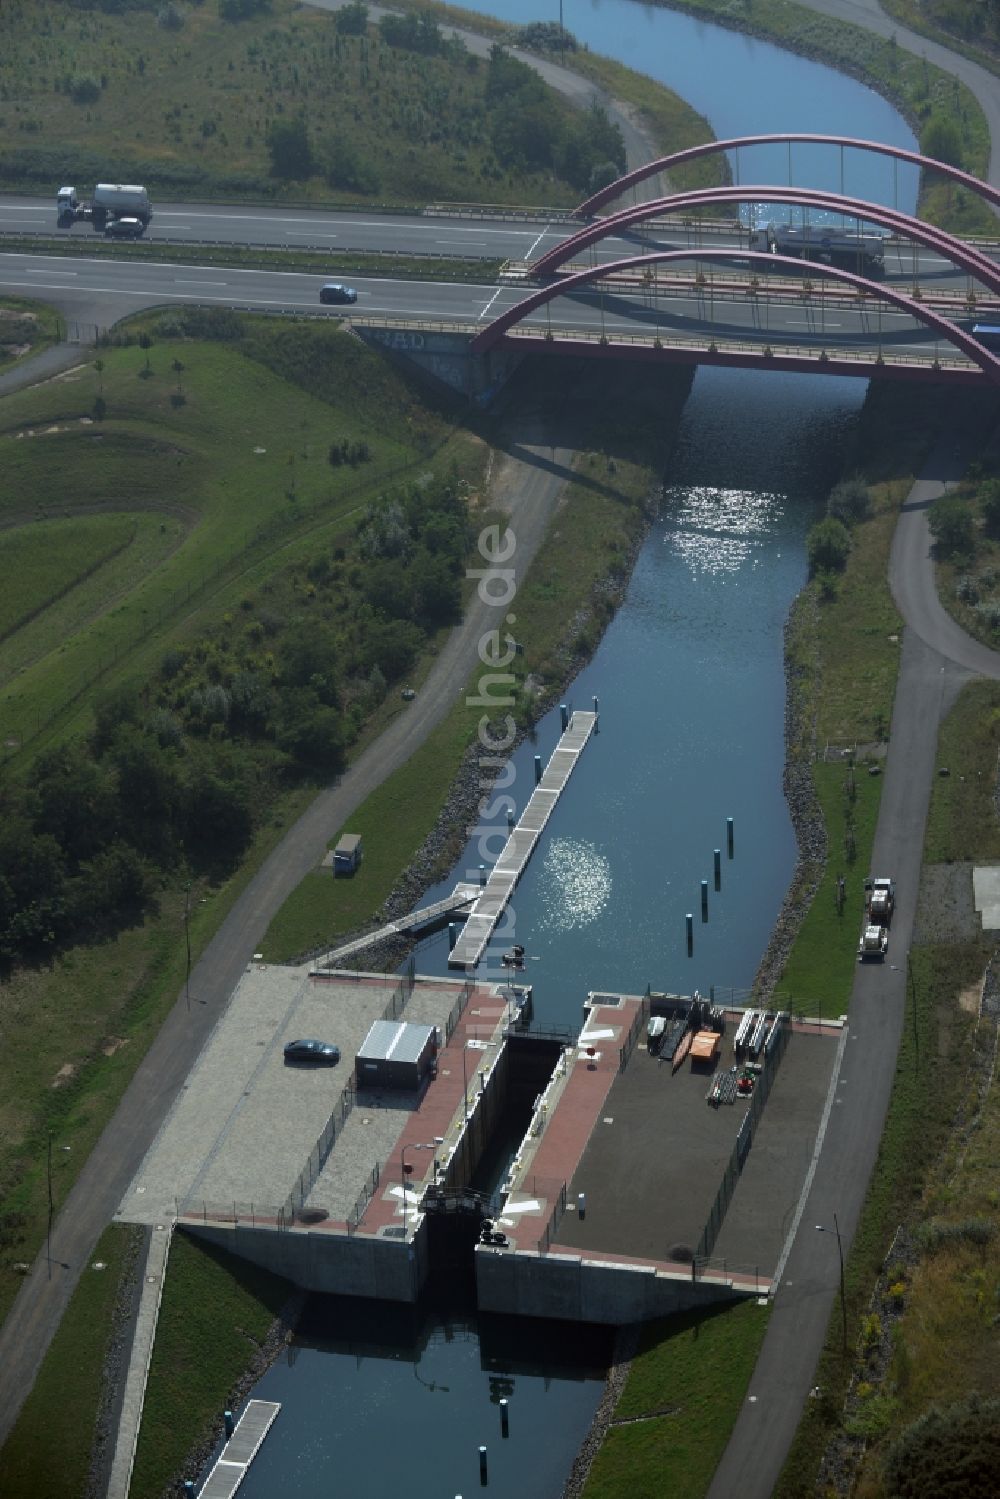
(691,688)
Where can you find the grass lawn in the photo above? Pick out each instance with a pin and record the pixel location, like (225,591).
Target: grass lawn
(94,96)
(26,328)
(51,1457)
(962,822)
(232,475)
(819,973)
(215,1313)
(683,1395)
(50,558)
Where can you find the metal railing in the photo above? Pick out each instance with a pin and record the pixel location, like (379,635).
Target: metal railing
(365,1196)
(554,1219)
(744,1139)
(457,1009)
(321,1150)
(639,1021)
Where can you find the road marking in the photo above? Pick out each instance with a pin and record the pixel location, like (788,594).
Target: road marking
(178,282)
(538,238)
(48,272)
(807,1184)
(489,304)
(470,242)
(791,322)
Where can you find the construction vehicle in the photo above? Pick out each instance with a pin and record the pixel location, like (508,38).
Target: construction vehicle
(874,943)
(111,201)
(880,901)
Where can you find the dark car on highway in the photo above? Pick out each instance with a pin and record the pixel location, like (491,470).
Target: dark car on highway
(125,228)
(336,291)
(321,1053)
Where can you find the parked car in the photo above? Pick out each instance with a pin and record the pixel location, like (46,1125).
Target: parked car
(125,228)
(321,1053)
(336,291)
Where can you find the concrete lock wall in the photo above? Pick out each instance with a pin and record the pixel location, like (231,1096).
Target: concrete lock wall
(525,1284)
(446,356)
(485,1108)
(333,1263)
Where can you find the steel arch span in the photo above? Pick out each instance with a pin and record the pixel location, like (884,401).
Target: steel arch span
(494,331)
(970,260)
(710,148)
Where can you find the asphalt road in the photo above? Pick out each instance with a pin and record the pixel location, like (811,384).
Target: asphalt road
(96,293)
(937,659)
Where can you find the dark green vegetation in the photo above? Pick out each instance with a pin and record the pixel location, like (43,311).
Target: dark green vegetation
(282,101)
(684,1392)
(215,1314)
(939,107)
(969,26)
(49,1450)
(25,328)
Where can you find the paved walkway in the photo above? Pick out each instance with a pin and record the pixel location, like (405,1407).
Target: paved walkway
(153,1274)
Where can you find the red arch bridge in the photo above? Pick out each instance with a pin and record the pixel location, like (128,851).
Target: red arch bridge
(741,307)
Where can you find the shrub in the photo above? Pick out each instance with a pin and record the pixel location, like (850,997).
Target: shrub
(828,546)
(955,1450)
(937,1235)
(849,501)
(989,504)
(84,89)
(951,526)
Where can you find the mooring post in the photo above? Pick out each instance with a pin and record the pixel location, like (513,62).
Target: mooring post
(564,716)
(689,923)
(452,934)
(227,1417)
(482,1465)
(717,857)
(729,836)
(538,769)
(504,1419)
(510,822)
(482,874)
(704,900)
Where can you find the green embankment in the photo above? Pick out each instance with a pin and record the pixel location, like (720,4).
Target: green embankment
(26,328)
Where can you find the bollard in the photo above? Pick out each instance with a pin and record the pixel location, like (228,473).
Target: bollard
(689,923)
(482,874)
(452,935)
(596,709)
(227,1417)
(729,836)
(504,1419)
(510,822)
(704,900)
(538,769)
(564,715)
(581,1204)
(717,857)
(482,1465)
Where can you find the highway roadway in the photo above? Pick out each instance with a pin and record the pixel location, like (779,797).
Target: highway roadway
(97,292)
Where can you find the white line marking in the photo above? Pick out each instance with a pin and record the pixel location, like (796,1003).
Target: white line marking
(807,1184)
(50,273)
(535,241)
(178,282)
(489,304)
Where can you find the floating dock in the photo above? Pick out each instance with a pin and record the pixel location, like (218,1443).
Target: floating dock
(492,900)
(241,1449)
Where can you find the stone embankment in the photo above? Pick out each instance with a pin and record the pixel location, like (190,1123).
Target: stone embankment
(626,1347)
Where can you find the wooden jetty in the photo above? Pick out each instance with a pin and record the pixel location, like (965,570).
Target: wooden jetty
(241,1449)
(489,906)
(459,901)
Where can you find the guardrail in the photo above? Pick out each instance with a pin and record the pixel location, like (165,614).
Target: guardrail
(365,1196)
(320,1152)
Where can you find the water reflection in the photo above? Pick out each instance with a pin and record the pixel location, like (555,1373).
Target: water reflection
(393,1403)
(577,885)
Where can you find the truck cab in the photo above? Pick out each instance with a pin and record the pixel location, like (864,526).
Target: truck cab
(67,206)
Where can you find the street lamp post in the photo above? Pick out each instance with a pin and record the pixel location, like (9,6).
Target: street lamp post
(822,1229)
(405,1169)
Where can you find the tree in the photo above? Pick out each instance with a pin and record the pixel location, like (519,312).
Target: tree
(352,19)
(951,526)
(75,800)
(291,155)
(828,546)
(311,732)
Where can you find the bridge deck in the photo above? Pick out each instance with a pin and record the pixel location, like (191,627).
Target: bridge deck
(241,1449)
(519,846)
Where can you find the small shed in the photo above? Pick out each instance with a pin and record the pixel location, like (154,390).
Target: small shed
(347,854)
(396,1054)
